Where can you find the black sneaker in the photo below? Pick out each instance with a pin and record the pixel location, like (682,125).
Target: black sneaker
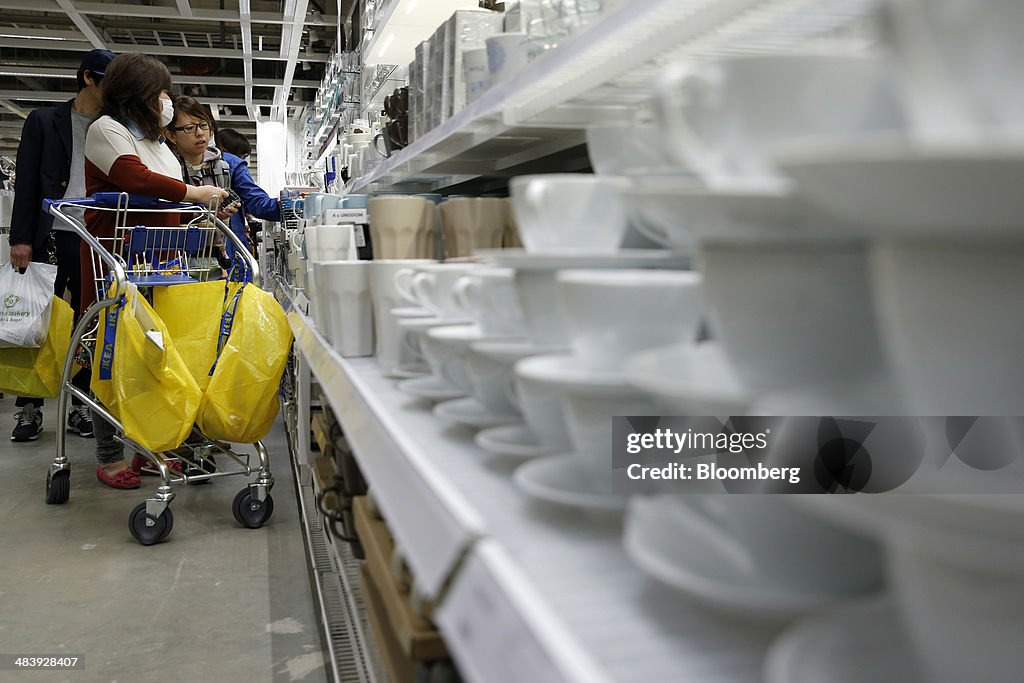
(30,424)
(80,422)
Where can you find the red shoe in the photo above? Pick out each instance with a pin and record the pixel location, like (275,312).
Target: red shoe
(125,479)
(140,462)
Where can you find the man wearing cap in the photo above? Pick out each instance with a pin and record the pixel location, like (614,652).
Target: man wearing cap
(51,164)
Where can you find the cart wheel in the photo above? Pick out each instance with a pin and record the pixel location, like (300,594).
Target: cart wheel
(58,487)
(148,535)
(250,512)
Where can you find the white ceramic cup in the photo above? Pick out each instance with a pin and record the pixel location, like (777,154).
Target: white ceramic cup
(558,211)
(957,57)
(507,54)
(445,350)
(536,292)
(949,314)
(541,403)
(623,149)
(386,298)
(793,314)
(491,368)
(488,296)
(475,72)
(610,315)
(961,619)
(721,118)
(344,298)
(432,286)
(399,227)
(588,415)
(413,337)
(336,243)
(786,544)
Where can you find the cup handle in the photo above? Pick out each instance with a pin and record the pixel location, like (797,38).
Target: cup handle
(684,86)
(410,344)
(403,283)
(463,295)
(423,289)
(644,227)
(387,146)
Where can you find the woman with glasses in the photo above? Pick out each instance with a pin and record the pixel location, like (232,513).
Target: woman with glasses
(191,134)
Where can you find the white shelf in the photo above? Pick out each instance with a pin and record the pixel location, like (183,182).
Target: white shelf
(607,73)
(540,594)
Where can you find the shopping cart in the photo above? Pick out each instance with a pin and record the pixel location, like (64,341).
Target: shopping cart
(155,256)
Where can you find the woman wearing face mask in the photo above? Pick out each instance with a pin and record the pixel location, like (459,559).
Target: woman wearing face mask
(124,152)
(203,164)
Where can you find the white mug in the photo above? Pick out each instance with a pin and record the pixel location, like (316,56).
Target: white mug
(432,286)
(507,54)
(345,299)
(336,243)
(386,298)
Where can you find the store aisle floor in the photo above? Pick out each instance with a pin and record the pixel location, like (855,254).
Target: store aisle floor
(215,602)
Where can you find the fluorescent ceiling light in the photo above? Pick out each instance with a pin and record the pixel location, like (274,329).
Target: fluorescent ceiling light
(34,37)
(412,7)
(33,73)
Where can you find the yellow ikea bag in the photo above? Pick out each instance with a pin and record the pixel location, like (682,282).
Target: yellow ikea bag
(141,378)
(240,402)
(37,372)
(192,314)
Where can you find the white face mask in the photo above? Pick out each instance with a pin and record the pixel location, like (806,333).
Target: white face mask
(166,112)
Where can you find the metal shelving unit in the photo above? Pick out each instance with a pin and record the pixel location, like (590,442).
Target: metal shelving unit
(605,74)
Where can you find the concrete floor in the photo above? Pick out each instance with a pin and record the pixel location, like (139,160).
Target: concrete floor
(214,602)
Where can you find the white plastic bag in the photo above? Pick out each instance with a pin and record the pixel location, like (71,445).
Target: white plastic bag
(26,300)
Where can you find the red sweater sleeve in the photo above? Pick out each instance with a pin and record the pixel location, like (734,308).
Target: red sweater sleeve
(131,175)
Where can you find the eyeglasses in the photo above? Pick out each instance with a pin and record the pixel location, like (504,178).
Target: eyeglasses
(192,127)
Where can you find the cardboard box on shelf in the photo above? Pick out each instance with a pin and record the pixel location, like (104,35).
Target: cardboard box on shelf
(417,639)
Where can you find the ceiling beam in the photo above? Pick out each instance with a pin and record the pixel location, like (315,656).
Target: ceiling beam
(69,73)
(291,43)
(157,50)
(184,8)
(245,16)
(83,24)
(51,96)
(156,12)
(14,109)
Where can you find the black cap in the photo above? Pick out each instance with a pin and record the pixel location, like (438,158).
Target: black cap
(96,62)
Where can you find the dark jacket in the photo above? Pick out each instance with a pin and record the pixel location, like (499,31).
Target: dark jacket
(44,168)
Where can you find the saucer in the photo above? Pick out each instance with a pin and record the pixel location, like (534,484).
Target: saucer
(561,259)
(707,567)
(558,480)
(893,187)
(470,412)
(410,370)
(515,440)
(510,351)
(429,387)
(690,379)
(412,312)
(567,371)
(860,644)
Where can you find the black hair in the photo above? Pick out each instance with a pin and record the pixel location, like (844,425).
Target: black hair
(230,140)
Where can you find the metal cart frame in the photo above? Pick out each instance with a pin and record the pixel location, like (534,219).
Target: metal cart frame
(151,522)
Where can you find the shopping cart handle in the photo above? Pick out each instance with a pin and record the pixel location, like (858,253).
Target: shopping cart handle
(109,200)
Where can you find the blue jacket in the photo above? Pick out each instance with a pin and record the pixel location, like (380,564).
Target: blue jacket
(44,168)
(254,199)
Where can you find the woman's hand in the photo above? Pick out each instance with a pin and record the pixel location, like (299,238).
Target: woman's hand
(204,194)
(228,211)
